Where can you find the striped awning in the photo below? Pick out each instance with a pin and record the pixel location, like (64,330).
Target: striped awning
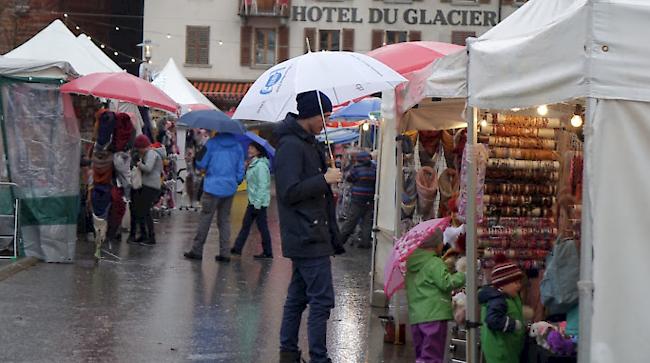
(232,91)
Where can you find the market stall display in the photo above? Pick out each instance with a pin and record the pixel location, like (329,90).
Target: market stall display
(520,191)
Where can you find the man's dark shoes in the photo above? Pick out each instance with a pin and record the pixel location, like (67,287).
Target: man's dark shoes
(220,258)
(235,252)
(192,256)
(291,357)
(263,256)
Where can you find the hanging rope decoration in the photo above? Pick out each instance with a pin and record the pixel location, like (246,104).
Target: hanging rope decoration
(102,45)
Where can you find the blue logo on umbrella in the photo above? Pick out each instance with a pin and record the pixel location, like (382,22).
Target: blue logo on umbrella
(274,78)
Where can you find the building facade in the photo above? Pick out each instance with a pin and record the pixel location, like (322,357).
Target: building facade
(22,19)
(223,45)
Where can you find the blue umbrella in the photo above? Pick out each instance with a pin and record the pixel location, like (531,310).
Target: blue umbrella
(359,110)
(249,137)
(340,136)
(214,120)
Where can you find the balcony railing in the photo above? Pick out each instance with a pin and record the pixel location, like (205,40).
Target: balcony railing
(275,8)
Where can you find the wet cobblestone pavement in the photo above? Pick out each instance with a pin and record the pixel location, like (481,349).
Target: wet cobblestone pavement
(152,305)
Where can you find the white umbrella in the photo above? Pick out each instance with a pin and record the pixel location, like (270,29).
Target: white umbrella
(342,76)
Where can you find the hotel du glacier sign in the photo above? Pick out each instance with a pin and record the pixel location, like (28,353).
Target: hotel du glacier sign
(456,17)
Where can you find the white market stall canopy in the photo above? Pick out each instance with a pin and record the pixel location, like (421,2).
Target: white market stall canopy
(172,81)
(13,67)
(547,52)
(57,43)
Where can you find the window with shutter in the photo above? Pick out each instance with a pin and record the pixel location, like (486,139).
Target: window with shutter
(283,43)
(415,36)
(245,43)
(377,40)
(329,40)
(393,37)
(197,45)
(459,37)
(348,40)
(310,35)
(265,46)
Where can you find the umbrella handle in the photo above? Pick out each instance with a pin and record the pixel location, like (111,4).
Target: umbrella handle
(327,139)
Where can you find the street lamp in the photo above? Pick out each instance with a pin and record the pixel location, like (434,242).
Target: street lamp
(147,50)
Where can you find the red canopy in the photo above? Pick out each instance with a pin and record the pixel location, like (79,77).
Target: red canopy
(412,56)
(121,86)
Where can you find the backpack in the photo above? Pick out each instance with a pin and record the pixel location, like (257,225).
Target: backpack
(559,287)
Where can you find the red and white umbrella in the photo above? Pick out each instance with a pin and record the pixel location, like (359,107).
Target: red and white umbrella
(121,86)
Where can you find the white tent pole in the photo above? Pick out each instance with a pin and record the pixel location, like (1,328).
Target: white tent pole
(399,181)
(471,114)
(376,207)
(586,283)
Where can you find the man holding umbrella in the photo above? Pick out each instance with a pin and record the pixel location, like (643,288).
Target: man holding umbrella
(307,224)
(222,158)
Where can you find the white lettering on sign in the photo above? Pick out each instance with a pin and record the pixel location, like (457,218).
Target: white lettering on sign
(391,16)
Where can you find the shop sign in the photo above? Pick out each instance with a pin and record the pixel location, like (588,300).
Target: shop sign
(391,16)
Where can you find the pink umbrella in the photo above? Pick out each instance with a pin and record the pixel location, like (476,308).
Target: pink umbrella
(121,86)
(395,268)
(420,54)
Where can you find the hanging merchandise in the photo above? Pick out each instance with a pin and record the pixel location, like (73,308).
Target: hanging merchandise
(105,128)
(507,130)
(427,189)
(518,142)
(448,185)
(102,164)
(481,157)
(524,121)
(523,154)
(124,133)
(409,192)
(521,187)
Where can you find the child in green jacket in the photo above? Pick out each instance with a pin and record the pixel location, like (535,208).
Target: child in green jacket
(502,320)
(428,288)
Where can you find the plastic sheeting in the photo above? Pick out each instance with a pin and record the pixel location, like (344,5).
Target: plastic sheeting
(617,174)
(43,146)
(35,68)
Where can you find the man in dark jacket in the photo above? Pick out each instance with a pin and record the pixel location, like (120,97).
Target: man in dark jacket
(307,225)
